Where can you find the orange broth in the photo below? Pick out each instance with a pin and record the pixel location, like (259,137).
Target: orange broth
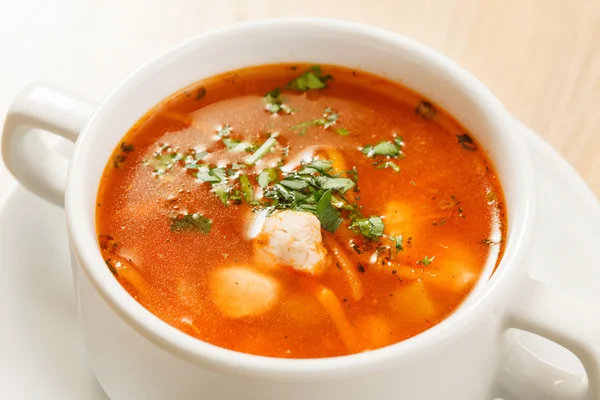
(440,194)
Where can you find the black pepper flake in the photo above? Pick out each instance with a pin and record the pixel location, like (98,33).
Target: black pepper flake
(356,248)
(361,268)
(345,299)
(337,264)
(201,93)
(394,272)
(426,110)
(126,147)
(466,142)
(111,267)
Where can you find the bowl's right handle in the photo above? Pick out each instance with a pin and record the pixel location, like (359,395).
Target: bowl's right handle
(29,158)
(564,319)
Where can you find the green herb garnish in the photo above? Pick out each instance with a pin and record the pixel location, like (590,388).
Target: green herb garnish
(211,174)
(397,241)
(426,261)
(310,80)
(224,131)
(342,131)
(385,148)
(330,218)
(389,164)
(247,189)
(274,102)
(191,222)
(371,227)
(261,151)
(267,176)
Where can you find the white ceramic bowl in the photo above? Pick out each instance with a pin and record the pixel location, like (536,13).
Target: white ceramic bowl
(135,355)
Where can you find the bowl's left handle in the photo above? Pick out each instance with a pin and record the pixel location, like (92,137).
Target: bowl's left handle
(28,157)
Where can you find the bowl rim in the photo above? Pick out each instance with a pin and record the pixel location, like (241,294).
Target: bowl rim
(230,362)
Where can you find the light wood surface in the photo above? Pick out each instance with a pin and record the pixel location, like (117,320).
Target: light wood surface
(540,57)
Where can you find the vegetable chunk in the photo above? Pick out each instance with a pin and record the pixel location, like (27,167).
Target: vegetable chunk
(241,292)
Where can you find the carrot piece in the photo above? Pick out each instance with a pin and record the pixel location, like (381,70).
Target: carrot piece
(332,305)
(131,276)
(346,265)
(333,308)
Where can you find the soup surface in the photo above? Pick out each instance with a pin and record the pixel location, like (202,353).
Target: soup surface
(299,211)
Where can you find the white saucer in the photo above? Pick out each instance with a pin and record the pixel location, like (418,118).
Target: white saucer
(41,354)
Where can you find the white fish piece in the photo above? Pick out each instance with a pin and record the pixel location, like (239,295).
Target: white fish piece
(292,239)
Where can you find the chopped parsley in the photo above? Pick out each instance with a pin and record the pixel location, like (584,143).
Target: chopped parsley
(389,164)
(191,223)
(274,103)
(386,148)
(224,131)
(247,190)
(397,241)
(329,118)
(267,176)
(426,261)
(211,174)
(371,227)
(328,216)
(163,160)
(310,80)
(262,150)
(231,144)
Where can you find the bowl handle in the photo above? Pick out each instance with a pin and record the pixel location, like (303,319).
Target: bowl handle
(564,319)
(30,158)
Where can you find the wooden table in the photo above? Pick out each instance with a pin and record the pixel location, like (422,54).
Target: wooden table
(540,57)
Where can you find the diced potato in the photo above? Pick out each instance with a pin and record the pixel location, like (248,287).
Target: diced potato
(189,295)
(242,292)
(374,332)
(454,269)
(412,300)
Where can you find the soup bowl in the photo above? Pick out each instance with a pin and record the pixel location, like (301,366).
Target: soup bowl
(135,355)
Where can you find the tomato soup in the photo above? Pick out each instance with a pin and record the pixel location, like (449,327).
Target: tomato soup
(299,211)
